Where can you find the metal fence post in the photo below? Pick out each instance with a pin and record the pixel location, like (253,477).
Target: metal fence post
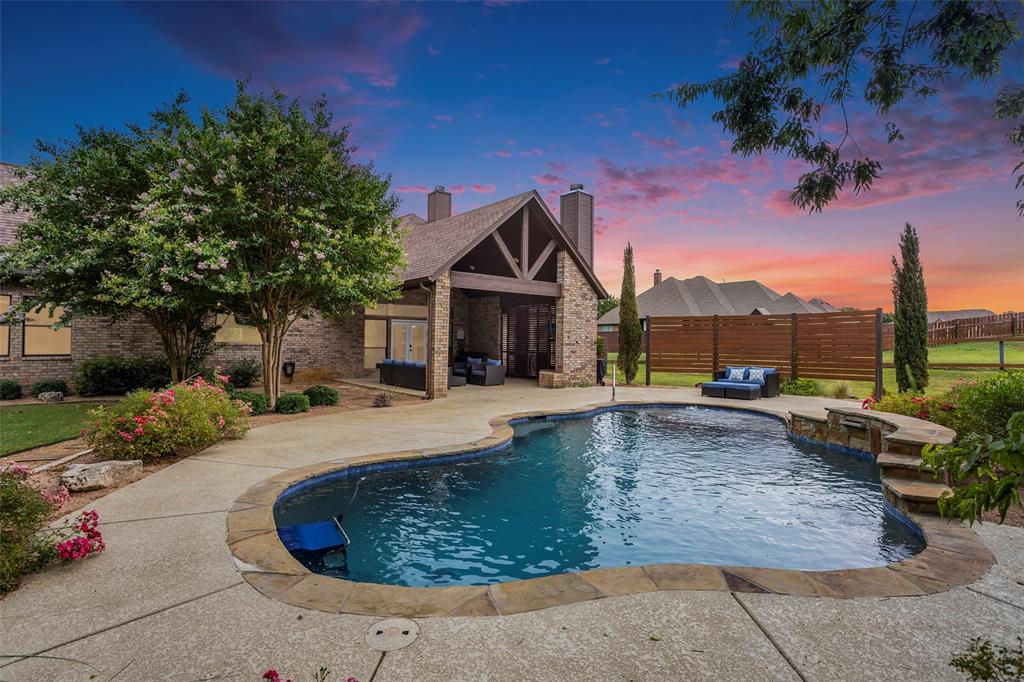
(1002,355)
(647,353)
(878,354)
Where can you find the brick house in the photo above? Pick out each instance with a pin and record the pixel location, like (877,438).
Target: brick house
(507,279)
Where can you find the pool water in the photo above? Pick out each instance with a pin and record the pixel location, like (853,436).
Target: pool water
(619,488)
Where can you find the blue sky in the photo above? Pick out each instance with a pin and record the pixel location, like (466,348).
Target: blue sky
(491,99)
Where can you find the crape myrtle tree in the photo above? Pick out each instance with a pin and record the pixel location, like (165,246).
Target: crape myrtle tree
(910,315)
(811,60)
(295,227)
(92,245)
(630,333)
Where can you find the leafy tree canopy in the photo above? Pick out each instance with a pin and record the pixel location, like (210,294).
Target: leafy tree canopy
(92,243)
(806,64)
(289,224)
(606,304)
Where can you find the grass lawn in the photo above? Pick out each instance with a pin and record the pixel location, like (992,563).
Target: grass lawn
(23,427)
(972,351)
(940,380)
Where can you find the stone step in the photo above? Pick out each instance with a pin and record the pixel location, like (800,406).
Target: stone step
(898,465)
(913,496)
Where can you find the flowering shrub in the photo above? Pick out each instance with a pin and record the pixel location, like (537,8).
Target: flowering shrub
(937,408)
(271,675)
(25,545)
(180,420)
(971,406)
(84,538)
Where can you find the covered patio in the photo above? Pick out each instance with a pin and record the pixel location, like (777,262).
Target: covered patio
(505,283)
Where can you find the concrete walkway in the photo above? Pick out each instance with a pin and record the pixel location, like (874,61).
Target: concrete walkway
(165,601)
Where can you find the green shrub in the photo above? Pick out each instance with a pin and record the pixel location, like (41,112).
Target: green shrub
(9,389)
(245,373)
(840,390)
(23,513)
(988,471)
(983,662)
(107,374)
(802,387)
(984,407)
(180,420)
(292,403)
(256,400)
(49,386)
(321,395)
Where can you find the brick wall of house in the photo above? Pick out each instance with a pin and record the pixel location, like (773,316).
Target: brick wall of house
(320,348)
(460,318)
(438,327)
(485,322)
(575,327)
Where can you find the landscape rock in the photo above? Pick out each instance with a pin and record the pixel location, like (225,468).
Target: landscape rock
(81,477)
(51,396)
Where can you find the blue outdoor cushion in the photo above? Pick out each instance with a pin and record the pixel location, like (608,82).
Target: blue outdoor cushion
(474,361)
(494,363)
(389,361)
(419,365)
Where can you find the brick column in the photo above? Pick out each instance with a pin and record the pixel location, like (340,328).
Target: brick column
(575,328)
(438,325)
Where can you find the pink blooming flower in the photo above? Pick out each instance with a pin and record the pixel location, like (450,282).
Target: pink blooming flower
(167,288)
(295,243)
(320,255)
(139,431)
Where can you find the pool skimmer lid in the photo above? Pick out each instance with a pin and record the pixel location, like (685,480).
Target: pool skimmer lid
(392,634)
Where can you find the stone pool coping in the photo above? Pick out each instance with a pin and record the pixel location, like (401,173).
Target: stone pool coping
(954,556)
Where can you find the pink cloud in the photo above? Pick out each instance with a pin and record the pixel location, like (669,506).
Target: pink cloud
(456,189)
(501,154)
(412,189)
(557,166)
(600,120)
(483,189)
(550,180)
(532,152)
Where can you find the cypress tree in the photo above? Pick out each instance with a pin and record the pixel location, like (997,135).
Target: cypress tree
(910,315)
(630,333)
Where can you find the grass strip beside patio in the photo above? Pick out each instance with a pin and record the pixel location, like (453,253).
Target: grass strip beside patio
(23,427)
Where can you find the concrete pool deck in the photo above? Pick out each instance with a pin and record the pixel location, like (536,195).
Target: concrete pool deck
(166,600)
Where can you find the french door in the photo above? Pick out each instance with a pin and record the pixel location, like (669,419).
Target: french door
(409,340)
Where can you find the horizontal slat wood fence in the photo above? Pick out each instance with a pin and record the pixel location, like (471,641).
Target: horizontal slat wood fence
(841,345)
(987,328)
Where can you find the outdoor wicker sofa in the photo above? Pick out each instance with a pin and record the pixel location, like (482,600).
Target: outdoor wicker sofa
(763,382)
(403,374)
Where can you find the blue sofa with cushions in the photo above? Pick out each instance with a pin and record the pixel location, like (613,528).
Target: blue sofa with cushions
(403,374)
(743,383)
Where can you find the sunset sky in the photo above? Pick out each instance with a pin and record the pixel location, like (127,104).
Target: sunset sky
(492,99)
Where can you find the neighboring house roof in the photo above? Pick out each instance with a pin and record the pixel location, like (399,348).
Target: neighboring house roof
(432,248)
(701,296)
(945,315)
(9,220)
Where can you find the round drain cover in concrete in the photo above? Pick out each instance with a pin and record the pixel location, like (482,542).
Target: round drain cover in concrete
(392,634)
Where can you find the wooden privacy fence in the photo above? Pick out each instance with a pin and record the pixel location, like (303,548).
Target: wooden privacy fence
(841,345)
(986,328)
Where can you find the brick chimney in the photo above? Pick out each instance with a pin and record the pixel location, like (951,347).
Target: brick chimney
(576,212)
(657,277)
(439,204)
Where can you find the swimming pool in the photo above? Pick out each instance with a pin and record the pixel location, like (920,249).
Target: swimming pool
(624,487)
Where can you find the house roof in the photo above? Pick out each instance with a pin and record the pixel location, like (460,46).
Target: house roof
(944,315)
(432,248)
(701,296)
(9,220)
